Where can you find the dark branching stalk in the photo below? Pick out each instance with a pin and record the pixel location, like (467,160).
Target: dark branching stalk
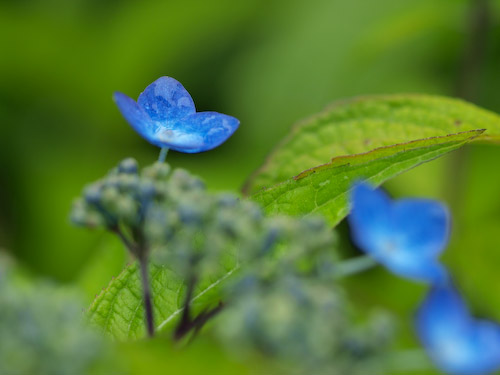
(131,247)
(140,252)
(205,316)
(147,296)
(187,324)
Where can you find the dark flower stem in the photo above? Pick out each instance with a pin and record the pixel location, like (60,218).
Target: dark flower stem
(187,324)
(146,292)
(141,254)
(184,325)
(128,244)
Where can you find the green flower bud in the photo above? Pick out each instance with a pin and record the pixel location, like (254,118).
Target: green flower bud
(128,166)
(92,194)
(158,171)
(128,182)
(126,209)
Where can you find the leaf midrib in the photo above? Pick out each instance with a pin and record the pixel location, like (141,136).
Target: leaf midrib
(201,293)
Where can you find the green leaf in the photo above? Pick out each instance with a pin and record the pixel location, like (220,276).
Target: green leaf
(118,309)
(363,124)
(324,189)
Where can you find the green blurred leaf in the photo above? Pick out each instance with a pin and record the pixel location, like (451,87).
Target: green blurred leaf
(202,356)
(362,124)
(118,309)
(324,189)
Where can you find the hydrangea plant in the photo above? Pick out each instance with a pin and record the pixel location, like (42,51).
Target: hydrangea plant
(263,275)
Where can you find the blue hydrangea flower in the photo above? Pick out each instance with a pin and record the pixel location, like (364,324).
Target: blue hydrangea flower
(406,236)
(457,342)
(165,116)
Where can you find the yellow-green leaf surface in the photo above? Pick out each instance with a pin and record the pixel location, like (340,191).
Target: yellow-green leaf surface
(118,309)
(363,124)
(324,189)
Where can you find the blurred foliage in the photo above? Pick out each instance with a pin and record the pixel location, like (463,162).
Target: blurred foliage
(43,332)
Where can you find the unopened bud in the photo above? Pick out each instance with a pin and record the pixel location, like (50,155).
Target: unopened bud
(93,194)
(128,166)
(126,209)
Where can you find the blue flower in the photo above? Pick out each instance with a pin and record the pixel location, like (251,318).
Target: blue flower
(406,236)
(457,342)
(165,116)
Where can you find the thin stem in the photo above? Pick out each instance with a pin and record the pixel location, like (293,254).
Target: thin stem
(146,291)
(204,317)
(354,265)
(184,325)
(141,255)
(128,244)
(163,154)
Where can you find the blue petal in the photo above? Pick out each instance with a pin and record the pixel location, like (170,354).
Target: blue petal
(421,226)
(405,236)
(199,132)
(136,116)
(442,314)
(166,100)
(416,268)
(369,218)
(485,340)
(458,343)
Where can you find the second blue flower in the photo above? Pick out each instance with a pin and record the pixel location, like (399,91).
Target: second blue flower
(406,235)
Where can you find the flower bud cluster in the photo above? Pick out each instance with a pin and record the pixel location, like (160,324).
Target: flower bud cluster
(121,197)
(171,213)
(283,302)
(287,305)
(305,322)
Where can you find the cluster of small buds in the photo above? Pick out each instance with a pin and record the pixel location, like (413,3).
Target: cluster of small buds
(284,303)
(306,322)
(118,198)
(171,212)
(125,196)
(200,234)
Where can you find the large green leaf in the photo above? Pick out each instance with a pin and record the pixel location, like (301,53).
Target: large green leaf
(363,124)
(324,189)
(118,309)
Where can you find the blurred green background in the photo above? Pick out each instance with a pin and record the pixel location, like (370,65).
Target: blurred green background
(268,63)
